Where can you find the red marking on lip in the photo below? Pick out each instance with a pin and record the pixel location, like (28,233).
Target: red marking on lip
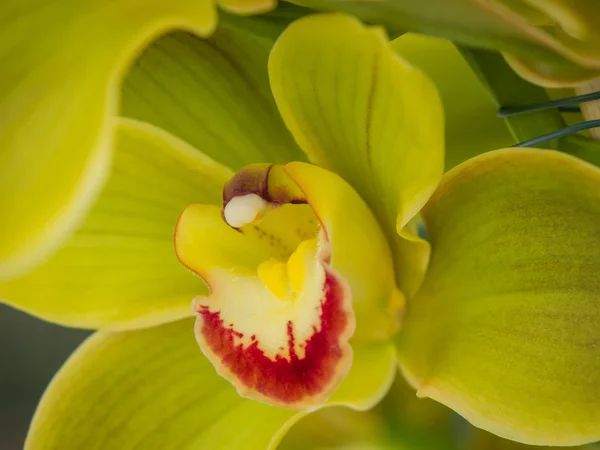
(292,379)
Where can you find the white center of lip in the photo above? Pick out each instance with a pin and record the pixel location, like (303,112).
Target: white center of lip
(244,209)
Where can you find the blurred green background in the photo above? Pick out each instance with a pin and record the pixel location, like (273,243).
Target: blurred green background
(31,351)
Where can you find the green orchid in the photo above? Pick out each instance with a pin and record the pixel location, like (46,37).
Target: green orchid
(296,215)
(548,42)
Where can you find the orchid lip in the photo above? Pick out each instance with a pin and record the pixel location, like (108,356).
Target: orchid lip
(279,329)
(305,369)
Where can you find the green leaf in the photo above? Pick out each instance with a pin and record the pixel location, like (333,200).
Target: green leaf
(150,389)
(214,93)
(504,329)
(62,62)
(119,269)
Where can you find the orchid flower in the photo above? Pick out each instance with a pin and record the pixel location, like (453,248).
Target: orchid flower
(292,223)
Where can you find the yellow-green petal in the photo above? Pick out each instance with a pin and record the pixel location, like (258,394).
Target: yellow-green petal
(568,28)
(471,123)
(149,389)
(504,329)
(359,251)
(119,269)
(214,93)
(62,62)
(477,439)
(244,7)
(557,40)
(551,74)
(356,108)
(374,368)
(334,428)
